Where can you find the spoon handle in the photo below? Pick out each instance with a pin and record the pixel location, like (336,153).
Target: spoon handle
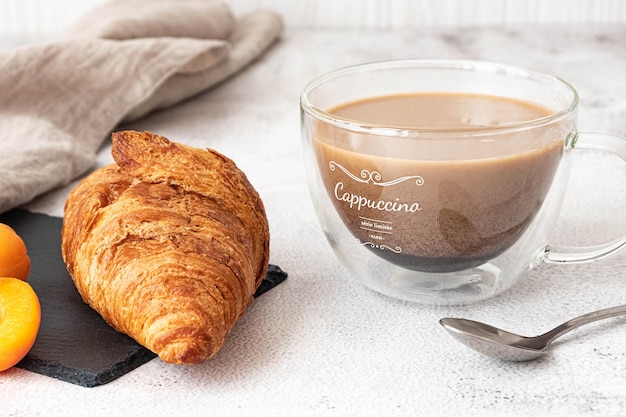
(582,320)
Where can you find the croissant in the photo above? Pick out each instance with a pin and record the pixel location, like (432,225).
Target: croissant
(169,244)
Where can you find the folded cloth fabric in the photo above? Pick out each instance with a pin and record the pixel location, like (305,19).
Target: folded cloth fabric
(121,61)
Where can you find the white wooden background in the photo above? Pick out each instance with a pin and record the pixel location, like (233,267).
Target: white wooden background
(48,17)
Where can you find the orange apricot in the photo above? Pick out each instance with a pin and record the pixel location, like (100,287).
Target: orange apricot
(14,260)
(20,316)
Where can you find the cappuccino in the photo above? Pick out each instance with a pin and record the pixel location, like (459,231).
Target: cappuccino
(432,200)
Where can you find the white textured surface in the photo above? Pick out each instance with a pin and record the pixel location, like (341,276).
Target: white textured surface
(50,17)
(322,345)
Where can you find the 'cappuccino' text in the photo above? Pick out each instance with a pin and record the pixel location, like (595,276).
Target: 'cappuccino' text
(359,202)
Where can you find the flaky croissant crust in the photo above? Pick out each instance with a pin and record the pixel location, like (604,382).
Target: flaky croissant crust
(168,244)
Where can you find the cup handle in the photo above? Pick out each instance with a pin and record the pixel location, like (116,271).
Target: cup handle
(573,255)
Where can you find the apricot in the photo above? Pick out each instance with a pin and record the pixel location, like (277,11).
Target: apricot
(20,316)
(14,260)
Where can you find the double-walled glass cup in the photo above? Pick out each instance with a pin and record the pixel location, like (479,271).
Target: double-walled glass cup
(443,212)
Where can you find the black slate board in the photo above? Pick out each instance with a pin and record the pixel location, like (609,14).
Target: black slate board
(74,343)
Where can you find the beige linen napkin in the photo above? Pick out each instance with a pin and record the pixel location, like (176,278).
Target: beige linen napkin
(59,100)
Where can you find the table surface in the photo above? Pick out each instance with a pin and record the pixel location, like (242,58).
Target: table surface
(321,344)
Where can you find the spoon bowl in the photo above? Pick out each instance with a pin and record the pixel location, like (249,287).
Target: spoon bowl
(508,346)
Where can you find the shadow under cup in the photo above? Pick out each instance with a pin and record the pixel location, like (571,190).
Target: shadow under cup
(451,212)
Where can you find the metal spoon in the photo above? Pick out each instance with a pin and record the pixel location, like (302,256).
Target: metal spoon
(508,346)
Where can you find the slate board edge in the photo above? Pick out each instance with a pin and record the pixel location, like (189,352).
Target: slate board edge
(83,378)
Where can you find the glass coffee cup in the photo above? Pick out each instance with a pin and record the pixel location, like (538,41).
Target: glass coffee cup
(439,181)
